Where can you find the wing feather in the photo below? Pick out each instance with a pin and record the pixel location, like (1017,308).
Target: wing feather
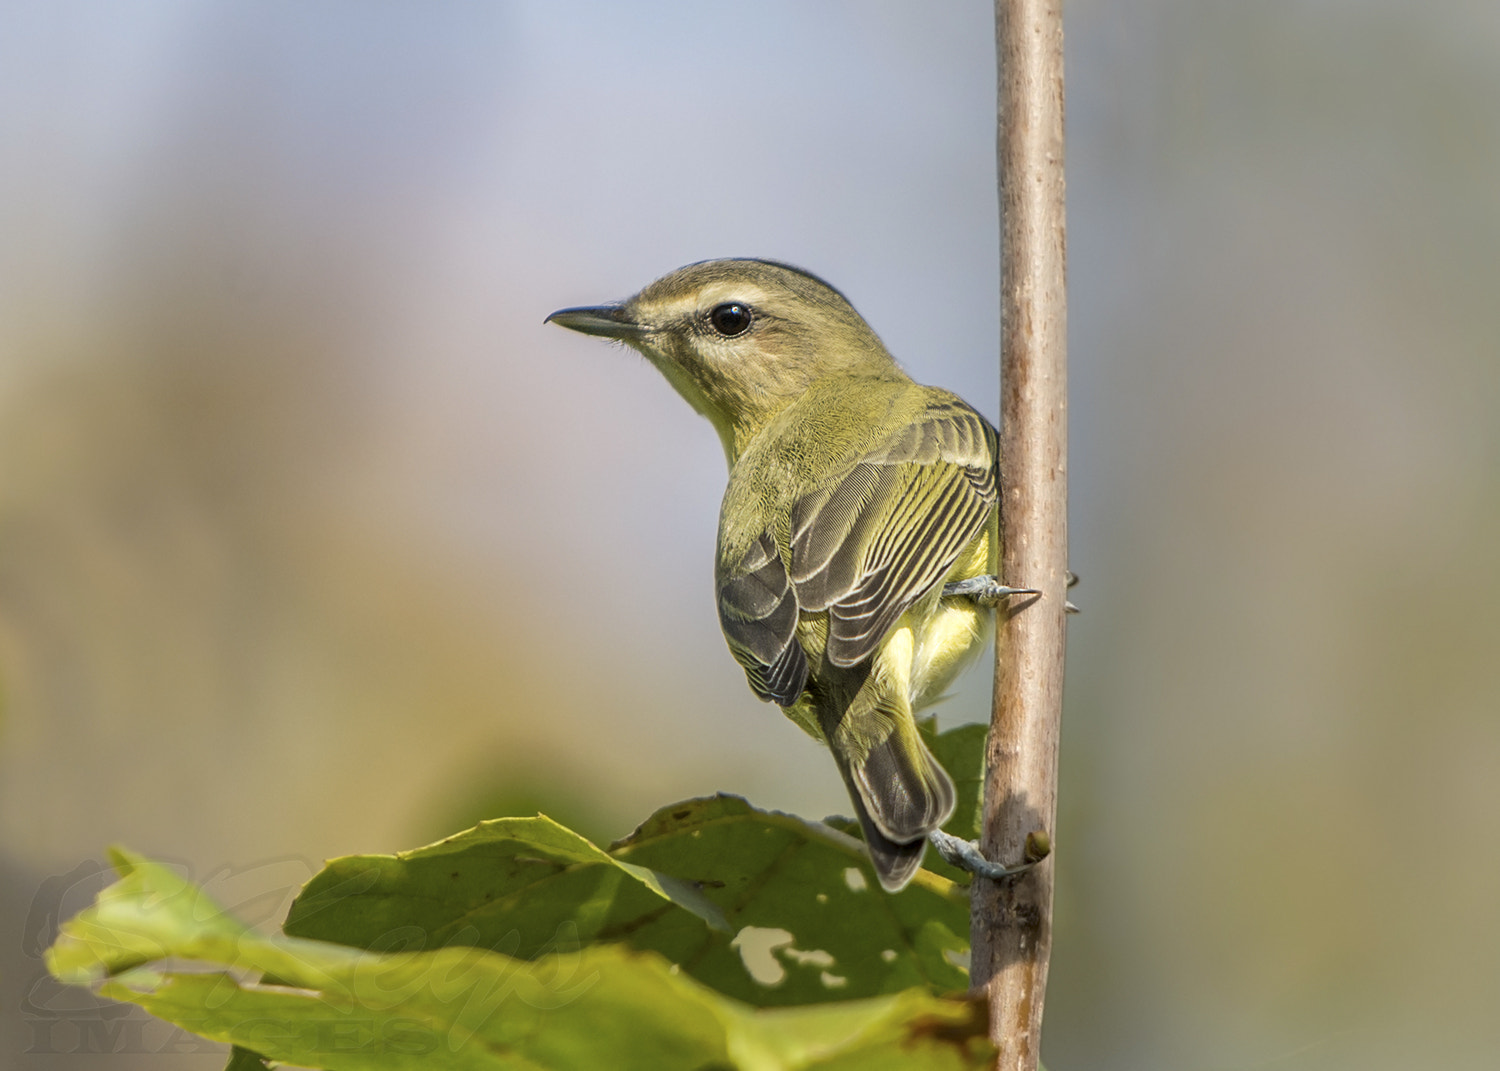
(880,538)
(864,548)
(758,612)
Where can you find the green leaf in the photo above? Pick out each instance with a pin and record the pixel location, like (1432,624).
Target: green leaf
(798,913)
(961,751)
(509,885)
(241,1059)
(468,1008)
(811,922)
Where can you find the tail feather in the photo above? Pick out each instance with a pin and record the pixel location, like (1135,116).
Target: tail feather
(906,792)
(895,863)
(900,794)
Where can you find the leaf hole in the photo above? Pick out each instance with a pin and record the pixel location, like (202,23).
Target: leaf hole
(756,946)
(814,957)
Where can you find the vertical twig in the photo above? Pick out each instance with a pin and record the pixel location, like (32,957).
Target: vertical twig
(1012,920)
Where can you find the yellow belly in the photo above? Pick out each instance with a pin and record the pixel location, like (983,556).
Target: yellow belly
(947,634)
(950,639)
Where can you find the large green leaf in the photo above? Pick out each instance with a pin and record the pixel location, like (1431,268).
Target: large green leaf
(794,913)
(469,1008)
(510,885)
(799,913)
(811,922)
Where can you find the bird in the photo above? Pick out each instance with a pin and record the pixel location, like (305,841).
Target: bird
(858,536)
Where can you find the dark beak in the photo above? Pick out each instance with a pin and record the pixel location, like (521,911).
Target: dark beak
(610,321)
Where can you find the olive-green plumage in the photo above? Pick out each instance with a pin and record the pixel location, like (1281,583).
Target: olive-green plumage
(854,495)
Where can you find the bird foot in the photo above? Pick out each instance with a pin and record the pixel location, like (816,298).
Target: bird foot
(988,591)
(965,855)
(985,590)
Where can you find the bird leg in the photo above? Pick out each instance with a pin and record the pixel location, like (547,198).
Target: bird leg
(965,855)
(988,591)
(985,590)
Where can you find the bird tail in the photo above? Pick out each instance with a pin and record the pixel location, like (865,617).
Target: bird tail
(901,794)
(895,863)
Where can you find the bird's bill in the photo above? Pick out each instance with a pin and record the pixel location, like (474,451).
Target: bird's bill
(609,321)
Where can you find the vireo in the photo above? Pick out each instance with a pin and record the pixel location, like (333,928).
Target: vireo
(859,502)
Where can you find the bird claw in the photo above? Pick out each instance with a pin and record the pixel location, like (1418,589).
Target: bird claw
(965,855)
(988,591)
(985,590)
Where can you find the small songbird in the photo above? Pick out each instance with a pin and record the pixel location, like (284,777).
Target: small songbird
(859,533)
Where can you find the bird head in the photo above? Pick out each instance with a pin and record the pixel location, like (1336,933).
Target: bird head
(740,340)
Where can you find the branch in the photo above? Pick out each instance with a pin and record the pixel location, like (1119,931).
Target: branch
(1012,917)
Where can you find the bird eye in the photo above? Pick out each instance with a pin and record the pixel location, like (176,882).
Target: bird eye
(730,319)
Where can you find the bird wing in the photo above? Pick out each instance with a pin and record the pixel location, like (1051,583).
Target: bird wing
(758,612)
(864,548)
(873,542)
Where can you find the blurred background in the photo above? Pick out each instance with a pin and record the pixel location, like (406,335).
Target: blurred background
(314,540)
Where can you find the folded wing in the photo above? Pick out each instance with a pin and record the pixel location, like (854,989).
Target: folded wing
(865,548)
(875,541)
